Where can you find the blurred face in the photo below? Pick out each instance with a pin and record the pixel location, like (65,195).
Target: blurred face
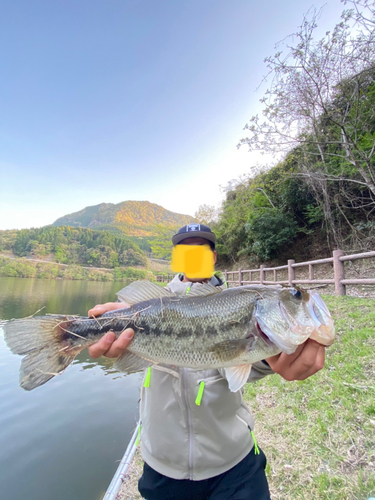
(197,241)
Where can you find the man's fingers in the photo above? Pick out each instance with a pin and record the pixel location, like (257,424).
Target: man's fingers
(96,311)
(120,345)
(100,309)
(309,361)
(310,367)
(283,361)
(99,348)
(304,362)
(110,347)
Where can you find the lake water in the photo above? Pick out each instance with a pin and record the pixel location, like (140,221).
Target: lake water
(64,439)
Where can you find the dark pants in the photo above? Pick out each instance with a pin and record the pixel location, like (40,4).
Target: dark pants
(245,481)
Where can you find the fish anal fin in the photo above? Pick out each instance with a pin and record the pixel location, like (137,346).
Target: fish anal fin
(41,365)
(237,376)
(131,363)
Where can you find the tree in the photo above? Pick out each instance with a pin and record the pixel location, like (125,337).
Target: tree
(321,103)
(132,258)
(207,214)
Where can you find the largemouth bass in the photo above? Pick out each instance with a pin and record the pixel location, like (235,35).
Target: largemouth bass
(208,328)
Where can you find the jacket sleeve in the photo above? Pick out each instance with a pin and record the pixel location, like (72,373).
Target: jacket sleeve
(259,370)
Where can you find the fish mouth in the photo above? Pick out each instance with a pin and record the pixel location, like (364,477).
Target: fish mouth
(263,335)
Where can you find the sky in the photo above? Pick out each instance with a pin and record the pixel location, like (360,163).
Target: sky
(115,100)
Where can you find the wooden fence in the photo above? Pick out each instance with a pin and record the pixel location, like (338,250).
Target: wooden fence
(237,278)
(164,278)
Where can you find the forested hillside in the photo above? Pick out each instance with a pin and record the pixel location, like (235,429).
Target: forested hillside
(70,245)
(132,218)
(319,118)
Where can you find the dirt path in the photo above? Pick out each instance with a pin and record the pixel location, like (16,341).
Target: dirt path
(14,257)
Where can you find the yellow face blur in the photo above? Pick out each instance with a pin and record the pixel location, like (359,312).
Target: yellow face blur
(195,261)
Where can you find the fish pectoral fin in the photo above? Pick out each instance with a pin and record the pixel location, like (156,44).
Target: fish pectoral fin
(131,363)
(234,347)
(139,291)
(237,376)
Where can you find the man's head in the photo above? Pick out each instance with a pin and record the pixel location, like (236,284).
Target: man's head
(196,234)
(195,231)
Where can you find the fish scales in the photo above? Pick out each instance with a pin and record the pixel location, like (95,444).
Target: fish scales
(188,330)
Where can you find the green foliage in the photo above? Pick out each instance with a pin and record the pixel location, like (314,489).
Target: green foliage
(161,245)
(273,201)
(7,240)
(314,214)
(68,245)
(17,269)
(269,231)
(132,258)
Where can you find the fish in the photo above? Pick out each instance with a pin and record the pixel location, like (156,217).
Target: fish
(208,328)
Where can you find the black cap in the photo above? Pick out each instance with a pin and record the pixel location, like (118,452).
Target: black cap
(194,231)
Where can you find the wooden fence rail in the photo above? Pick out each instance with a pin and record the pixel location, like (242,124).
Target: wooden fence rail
(337,260)
(164,278)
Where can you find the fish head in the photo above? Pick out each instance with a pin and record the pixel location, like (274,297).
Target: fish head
(289,316)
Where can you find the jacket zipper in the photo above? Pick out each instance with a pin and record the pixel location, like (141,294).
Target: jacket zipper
(190,426)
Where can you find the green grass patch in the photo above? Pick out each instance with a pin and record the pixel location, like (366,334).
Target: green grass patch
(319,434)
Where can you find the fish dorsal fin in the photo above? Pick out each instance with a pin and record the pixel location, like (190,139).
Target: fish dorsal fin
(139,291)
(203,289)
(131,363)
(234,347)
(237,376)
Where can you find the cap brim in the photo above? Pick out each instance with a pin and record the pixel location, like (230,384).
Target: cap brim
(177,238)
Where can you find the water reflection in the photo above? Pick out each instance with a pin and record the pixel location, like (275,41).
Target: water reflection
(64,439)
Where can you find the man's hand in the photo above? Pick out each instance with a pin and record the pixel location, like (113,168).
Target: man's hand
(307,360)
(107,345)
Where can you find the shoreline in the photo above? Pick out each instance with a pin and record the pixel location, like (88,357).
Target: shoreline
(23,267)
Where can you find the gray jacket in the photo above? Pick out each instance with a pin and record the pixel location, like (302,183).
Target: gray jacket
(184,438)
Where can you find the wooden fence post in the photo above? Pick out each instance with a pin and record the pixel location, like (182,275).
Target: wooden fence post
(290,272)
(261,274)
(311,272)
(339,272)
(240,277)
(226,275)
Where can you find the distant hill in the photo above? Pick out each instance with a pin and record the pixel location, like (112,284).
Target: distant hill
(132,218)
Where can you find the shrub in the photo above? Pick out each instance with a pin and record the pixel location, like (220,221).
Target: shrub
(269,231)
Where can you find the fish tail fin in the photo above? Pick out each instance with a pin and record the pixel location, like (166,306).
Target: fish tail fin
(41,339)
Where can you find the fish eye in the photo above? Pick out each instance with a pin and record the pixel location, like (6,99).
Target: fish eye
(296,293)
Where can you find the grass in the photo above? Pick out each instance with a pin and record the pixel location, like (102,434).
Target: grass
(319,434)
(129,487)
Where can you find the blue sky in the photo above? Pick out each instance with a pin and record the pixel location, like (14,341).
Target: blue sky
(114,100)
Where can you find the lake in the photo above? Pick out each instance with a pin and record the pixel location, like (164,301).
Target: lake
(63,440)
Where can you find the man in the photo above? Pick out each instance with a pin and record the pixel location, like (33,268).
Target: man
(197,436)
